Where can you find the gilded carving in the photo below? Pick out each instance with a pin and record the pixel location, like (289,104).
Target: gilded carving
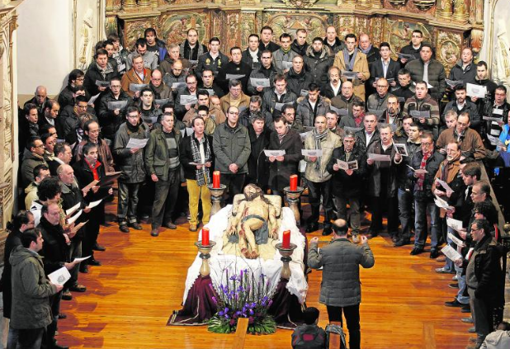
(111,25)
(134,30)
(173,28)
(233,37)
(376,31)
(460,13)
(397,2)
(476,40)
(315,25)
(362,25)
(424,4)
(299,3)
(398,33)
(346,26)
(448,49)
(444,9)
(247,27)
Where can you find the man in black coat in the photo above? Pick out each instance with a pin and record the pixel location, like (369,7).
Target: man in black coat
(236,69)
(110,118)
(348,183)
(266,39)
(258,167)
(385,67)
(99,71)
(282,167)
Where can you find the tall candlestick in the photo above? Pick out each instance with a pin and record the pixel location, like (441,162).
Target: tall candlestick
(286,239)
(205,236)
(216,179)
(293,182)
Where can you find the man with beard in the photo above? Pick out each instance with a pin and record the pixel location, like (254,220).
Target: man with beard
(130,162)
(289,113)
(318,61)
(191,49)
(174,75)
(236,69)
(52,118)
(109,119)
(423,102)
(462,104)
(353,60)
(254,110)
(317,176)
(347,184)
(67,95)
(333,87)
(332,41)
(251,56)
(282,167)
(393,115)
(99,70)
(427,159)
(470,142)
(265,71)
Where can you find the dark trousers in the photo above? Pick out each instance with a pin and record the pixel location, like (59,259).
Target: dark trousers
(165,198)
(352,216)
(52,328)
(92,229)
(74,252)
(128,202)
(315,190)
(391,205)
(27,338)
(351,314)
(234,183)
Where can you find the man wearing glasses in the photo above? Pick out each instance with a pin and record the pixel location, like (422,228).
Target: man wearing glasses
(265,71)
(111,116)
(182,104)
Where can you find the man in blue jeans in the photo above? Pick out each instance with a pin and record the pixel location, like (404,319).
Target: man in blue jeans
(421,173)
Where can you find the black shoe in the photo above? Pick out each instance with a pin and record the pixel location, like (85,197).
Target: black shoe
(84,268)
(124,228)
(372,233)
(401,242)
(78,288)
(62,316)
(311,227)
(169,225)
(416,250)
(466,308)
(98,247)
(327,230)
(434,253)
(135,226)
(155,232)
(67,296)
(455,303)
(94,262)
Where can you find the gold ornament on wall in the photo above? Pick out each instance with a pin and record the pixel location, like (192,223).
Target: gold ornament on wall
(424,5)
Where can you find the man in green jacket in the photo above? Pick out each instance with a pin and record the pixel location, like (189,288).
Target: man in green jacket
(31,292)
(341,286)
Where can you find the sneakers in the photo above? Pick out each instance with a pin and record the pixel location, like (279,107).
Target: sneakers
(443,270)
(455,303)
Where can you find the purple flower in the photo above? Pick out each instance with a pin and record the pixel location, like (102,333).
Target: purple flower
(214,300)
(251,312)
(221,313)
(251,320)
(269,304)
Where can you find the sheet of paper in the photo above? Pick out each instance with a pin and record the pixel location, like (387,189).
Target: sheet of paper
(73,209)
(286,65)
(478,91)
(60,276)
(401,148)
(114,105)
(193,61)
(81,259)
(379,157)
(454,83)
(420,114)
(161,102)
(450,253)
(351,165)
(137,143)
(280,106)
(338,111)
(441,203)
(490,118)
(260,82)
(274,153)
(121,67)
(303,93)
(210,91)
(102,83)
(456,240)
(349,74)
(178,85)
(453,223)
(189,131)
(93,99)
(74,218)
(445,185)
(497,111)
(311,152)
(187,99)
(94,203)
(234,76)
(137,87)
(304,135)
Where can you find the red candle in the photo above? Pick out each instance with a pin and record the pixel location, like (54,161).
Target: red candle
(293,182)
(205,236)
(216,180)
(286,239)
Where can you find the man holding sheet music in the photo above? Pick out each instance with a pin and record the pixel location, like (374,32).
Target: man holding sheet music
(99,73)
(112,109)
(423,108)
(128,150)
(236,69)
(383,160)
(348,166)
(274,100)
(318,149)
(186,98)
(464,70)
(461,104)
(262,79)
(312,105)
(282,167)
(495,114)
(429,70)
(149,112)
(137,75)
(421,172)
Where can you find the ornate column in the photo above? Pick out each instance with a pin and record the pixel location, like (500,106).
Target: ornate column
(460,13)
(129,5)
(444,9)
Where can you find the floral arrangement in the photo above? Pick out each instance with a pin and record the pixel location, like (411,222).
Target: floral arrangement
(243,296)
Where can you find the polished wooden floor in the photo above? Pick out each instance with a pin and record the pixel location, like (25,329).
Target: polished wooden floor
(130,298)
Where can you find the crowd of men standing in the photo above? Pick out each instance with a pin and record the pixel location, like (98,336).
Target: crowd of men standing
(164,115)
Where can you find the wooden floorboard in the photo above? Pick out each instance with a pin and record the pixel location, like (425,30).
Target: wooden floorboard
(130,298)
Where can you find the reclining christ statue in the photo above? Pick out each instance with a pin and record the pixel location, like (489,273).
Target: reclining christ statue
(252,229)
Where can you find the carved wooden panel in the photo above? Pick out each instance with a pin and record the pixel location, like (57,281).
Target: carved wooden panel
(172,26)
(448,49)
(315,24)
(398,33)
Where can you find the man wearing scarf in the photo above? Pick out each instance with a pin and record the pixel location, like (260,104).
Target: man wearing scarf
(99,70)
(316,175)
(353,60)
(284,55)
(427,159)
(196,157)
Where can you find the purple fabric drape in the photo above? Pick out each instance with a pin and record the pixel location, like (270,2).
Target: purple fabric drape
(199,306)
